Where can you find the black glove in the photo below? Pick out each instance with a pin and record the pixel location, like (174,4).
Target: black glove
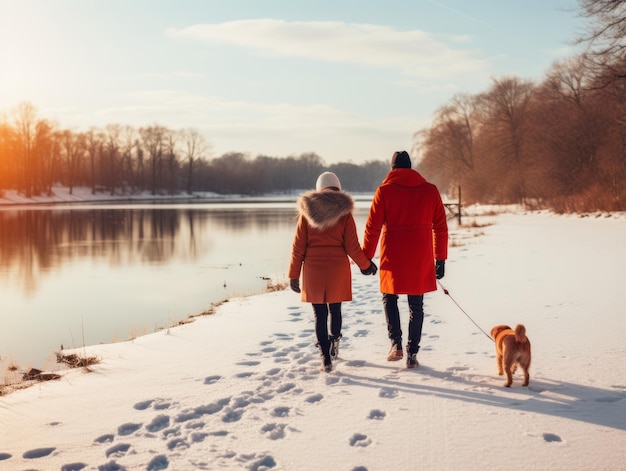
(295,284)
(440,268)
(371,270)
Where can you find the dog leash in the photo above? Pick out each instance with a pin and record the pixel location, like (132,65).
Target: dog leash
(463,311)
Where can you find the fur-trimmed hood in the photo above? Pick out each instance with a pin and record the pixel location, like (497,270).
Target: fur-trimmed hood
(322,209)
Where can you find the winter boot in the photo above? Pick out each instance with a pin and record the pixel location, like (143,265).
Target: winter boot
(334,346)
(395,353)
(327,362)
(411,360)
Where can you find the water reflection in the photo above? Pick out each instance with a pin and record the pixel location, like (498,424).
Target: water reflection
(33,242)
(95,274)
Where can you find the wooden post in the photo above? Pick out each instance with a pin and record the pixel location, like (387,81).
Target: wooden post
(459,206)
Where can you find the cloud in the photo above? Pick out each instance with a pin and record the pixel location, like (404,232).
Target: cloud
(410,52)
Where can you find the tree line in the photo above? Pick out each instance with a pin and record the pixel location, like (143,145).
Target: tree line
(35,155)
(558,143)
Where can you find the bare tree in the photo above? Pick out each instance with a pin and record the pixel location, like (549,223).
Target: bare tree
(128,141)
(606,33)
(25,123)
(153,138)
(195,146)
(93,139)
(507,105)
(73,146)
(111,155)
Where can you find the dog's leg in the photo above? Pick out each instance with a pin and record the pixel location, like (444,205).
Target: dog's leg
(509,376)
(499,363)
(526,376)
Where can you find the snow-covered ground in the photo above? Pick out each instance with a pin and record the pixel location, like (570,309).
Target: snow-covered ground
(241,389)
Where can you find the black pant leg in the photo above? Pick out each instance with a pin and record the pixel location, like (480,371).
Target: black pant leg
(392,314)
(335,319)
(416,321)
(321,326)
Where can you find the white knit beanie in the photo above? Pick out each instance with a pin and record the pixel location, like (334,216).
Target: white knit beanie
(327,179)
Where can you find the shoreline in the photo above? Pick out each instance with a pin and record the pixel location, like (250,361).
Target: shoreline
(17,377)
(82,196)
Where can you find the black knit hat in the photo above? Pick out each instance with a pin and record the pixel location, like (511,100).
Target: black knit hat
(401,159)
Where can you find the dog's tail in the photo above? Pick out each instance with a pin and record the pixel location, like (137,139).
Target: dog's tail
(520,334)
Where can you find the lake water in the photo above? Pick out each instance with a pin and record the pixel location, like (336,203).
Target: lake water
(73,275)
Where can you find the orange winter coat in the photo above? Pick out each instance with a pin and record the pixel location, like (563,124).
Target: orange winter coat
(325,237)
(409,213)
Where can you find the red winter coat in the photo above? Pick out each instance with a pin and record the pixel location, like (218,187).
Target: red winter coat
(325,237)
(409,213)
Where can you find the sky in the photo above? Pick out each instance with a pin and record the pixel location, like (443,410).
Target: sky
(349,80)
(241,389)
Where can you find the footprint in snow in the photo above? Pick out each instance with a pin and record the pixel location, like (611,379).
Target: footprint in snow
(5,456)
(314,398)
(128,428)
(158,463)
(275,431)
(231,415)
(177,444)
(249,363)
(159,423)
(212,379)
(283,388)
(388,393)
(117,451)
(358,439)
(143,405)
(282,336)
(376,414)
(262,464)
(281,412)
(551,437)
(37,453)
(272,372)
(74,467)
(362,333)
(245,374)
(108,438)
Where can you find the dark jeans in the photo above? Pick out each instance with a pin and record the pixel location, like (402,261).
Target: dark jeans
(321,323)
(416,319)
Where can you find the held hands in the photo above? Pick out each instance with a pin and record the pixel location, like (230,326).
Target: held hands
(371,270)
(440,268)
(294,283)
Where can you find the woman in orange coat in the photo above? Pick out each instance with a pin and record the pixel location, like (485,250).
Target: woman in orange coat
(409,213)
(325,238)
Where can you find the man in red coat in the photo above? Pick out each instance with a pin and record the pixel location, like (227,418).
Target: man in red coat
(408,212)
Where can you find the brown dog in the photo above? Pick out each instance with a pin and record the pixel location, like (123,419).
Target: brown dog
(512,348)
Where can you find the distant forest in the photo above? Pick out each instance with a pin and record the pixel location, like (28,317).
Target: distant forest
(35,156)
(559,143)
